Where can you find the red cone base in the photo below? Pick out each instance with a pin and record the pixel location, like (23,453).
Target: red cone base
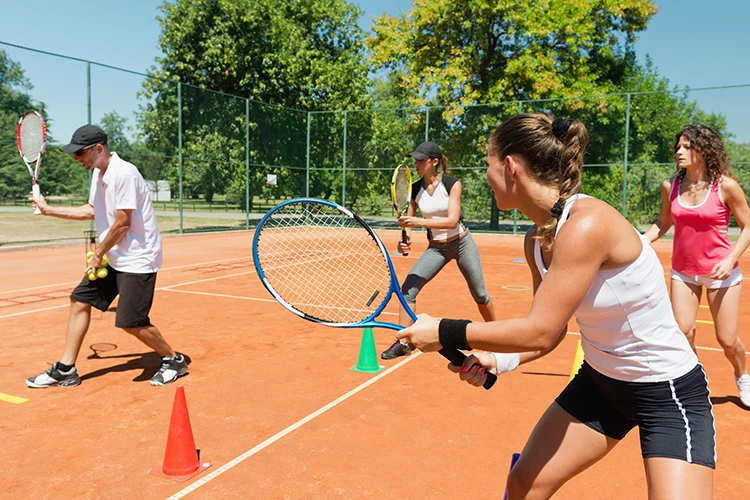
(180,458)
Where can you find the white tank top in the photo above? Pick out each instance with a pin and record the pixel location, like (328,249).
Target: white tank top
(628,330)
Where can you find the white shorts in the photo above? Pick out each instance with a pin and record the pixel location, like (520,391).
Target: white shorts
(705,279)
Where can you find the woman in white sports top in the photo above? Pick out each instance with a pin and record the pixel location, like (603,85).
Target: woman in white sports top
(437,195)
(587,260)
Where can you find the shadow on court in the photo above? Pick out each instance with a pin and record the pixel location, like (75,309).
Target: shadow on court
(546,374)
(148,363)
(727,399)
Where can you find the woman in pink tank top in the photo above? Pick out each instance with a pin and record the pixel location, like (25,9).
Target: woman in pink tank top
(699,200)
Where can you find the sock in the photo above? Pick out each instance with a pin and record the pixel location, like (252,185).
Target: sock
(65,368)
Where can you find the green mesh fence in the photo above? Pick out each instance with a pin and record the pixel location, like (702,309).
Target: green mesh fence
(215,161)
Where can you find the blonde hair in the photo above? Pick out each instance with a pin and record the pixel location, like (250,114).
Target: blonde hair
(552,149)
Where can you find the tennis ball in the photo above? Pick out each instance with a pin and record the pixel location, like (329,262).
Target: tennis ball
(89,255)
(91,275)
(102,272)
(105,261)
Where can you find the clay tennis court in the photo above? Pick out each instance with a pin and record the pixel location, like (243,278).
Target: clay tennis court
(274,406)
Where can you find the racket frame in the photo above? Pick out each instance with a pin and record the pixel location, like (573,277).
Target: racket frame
(35,190)
(394,197)
(453,355)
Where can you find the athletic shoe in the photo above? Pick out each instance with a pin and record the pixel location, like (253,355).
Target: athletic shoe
(743,385)
(53,377)
(170,370)
(397,349)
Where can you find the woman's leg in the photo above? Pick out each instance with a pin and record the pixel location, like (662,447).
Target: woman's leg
(672,479)
(686,299)
(470,266)
(559,448)
(725,308)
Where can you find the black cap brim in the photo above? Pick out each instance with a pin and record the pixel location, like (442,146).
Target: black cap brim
(71,148)
(418,155)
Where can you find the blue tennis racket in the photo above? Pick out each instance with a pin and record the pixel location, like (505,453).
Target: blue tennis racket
(323,263)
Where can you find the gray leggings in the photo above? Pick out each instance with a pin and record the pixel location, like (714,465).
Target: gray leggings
(437,255)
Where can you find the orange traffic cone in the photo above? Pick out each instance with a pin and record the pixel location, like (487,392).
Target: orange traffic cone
(180,458)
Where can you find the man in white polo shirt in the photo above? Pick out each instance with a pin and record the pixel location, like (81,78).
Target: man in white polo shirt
(120,204)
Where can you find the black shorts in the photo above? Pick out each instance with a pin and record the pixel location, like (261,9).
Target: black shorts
(674,417)
(136,293)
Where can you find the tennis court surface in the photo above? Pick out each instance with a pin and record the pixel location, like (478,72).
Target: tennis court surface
(274,406)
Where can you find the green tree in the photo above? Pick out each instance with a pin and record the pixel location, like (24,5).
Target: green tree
(58,173)
(306,54)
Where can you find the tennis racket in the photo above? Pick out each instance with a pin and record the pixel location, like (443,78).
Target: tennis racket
(401,194)
(325,264)
(31,138)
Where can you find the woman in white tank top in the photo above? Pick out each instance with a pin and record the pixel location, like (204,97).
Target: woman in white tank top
(587,261)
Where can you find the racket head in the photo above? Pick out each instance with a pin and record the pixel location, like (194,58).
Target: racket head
(31,136)
(401,188)
(323,263)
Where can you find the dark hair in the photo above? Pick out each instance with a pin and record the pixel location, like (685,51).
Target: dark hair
(552,149)
(707,141)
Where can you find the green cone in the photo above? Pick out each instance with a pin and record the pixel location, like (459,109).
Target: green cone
(368,358)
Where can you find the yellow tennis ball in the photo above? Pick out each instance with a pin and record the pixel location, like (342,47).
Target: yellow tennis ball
(91,275)
(89,255)
(105,261)
(102,272)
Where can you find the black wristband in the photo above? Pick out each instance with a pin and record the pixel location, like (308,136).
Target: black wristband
(452,334)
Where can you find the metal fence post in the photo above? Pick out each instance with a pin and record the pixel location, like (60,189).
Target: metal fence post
(625,159)
(179,147)
(88,118)
(343,173)
(307,159)
(247,163)
(426,123)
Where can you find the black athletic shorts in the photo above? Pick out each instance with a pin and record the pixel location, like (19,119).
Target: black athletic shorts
(674,417)
(136,293)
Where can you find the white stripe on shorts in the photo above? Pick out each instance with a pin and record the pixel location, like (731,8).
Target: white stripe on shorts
(687,424)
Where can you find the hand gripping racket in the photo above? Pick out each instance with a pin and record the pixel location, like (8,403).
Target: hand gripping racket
(31,138)
(401,194)
(325,264)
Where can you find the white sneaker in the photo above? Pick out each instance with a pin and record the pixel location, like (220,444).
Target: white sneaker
(743,386)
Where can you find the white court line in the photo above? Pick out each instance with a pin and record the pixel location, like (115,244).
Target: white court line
(160,270)
(34,311)
(249,453)
(245,298)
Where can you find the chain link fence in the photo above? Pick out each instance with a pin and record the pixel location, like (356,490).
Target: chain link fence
(218,162)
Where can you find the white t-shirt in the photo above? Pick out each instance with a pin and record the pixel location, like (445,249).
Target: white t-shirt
(122,188)
(628,330)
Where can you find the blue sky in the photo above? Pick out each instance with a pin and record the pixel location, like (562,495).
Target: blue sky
(693,43)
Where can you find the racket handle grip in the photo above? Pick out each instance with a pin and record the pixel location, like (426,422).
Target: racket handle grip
(404,241)
(35,192)
(457,358)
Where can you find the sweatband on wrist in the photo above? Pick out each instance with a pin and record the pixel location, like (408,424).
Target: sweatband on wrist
(452,334)
(506,362)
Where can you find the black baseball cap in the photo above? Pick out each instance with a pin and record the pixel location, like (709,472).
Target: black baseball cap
(426,150)
(88,135)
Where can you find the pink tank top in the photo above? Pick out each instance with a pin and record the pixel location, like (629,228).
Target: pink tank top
(700,232)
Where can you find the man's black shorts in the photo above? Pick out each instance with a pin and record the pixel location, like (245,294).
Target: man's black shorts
(136,293)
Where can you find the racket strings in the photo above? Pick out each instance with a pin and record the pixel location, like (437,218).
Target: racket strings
(402,189)
(31,137)
(323,263)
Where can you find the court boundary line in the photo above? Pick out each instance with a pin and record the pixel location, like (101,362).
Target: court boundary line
(260,447)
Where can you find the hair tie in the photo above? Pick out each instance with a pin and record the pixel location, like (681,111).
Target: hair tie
(557,208)
(560,127)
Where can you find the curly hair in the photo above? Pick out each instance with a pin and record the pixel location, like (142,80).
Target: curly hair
(706,141)
(553,152)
